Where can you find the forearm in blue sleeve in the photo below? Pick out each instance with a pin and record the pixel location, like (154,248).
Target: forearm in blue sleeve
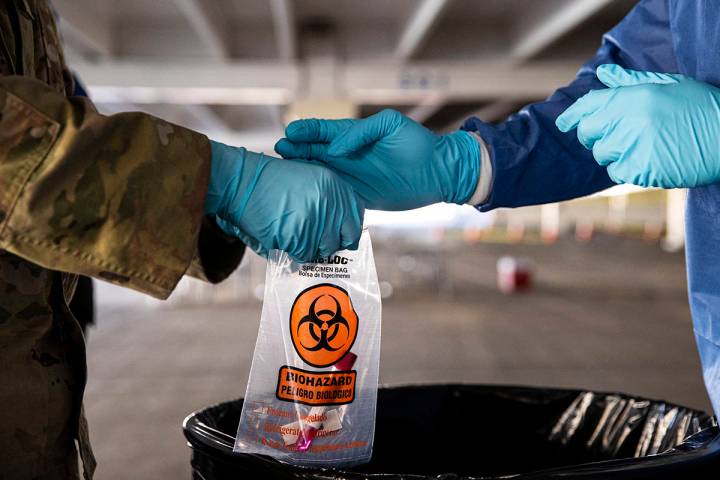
(532,161)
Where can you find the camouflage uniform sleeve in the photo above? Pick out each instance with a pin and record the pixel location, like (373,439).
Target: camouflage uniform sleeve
(116,197)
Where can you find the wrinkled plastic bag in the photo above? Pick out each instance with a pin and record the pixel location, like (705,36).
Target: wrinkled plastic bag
(494,431)
(312,392)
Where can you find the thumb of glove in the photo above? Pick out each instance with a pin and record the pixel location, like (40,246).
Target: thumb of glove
(614,75)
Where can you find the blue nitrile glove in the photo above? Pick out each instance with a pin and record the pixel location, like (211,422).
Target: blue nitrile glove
(650,129)
(300,207)
(392,162)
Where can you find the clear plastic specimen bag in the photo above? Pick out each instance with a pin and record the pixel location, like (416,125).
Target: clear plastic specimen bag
(312,391)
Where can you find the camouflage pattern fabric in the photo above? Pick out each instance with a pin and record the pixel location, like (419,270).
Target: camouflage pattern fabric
(119,198)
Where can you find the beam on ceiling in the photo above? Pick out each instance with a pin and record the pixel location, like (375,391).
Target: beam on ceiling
(86,28)
(257,140)
(207,117)
(236,83)
(537,38)
(285,31)
(552,26)
(207,24)
(414,83)
(257,83)
(426,109)
(418,28)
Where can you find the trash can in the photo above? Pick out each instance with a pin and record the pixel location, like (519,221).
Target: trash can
(455,432)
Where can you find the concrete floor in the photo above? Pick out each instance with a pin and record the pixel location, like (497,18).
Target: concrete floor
(611,315)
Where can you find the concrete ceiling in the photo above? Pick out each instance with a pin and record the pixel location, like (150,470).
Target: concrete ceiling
(234,68)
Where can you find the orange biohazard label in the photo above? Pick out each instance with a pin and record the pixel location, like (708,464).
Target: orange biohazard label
(323,324)
(316,388)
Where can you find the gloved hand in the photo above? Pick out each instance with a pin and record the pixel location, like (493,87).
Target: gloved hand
(300,207)
(650,129)
(392,162)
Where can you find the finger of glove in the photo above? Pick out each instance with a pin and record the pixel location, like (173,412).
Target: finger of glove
(366,132)
(584,106)
(592,128)
(254,245)
(311,151)
(617,172)
(330,242)
(304,257)
(305,248)
(250,242)
(607,150)
(614,76)
(351,229)
(317,130)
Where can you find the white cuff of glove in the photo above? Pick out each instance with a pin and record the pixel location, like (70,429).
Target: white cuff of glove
(482,191)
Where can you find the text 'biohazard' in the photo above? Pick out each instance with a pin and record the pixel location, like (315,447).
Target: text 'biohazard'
(316,388)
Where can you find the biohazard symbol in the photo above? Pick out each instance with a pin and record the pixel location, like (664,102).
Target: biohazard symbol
(323,324)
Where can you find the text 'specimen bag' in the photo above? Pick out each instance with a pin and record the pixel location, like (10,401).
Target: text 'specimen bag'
(312,390)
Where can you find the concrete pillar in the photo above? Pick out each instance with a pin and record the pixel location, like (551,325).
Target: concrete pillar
(675,220)
(617,211)
(550,222)
(321,94)
(321,108)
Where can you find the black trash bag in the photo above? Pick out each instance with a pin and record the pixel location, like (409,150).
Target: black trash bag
(465,431)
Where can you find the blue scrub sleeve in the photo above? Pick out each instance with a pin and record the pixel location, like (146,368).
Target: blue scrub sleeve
(532,161)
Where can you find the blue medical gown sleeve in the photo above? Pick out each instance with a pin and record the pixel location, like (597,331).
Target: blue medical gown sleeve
(533,162)
(703,262)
